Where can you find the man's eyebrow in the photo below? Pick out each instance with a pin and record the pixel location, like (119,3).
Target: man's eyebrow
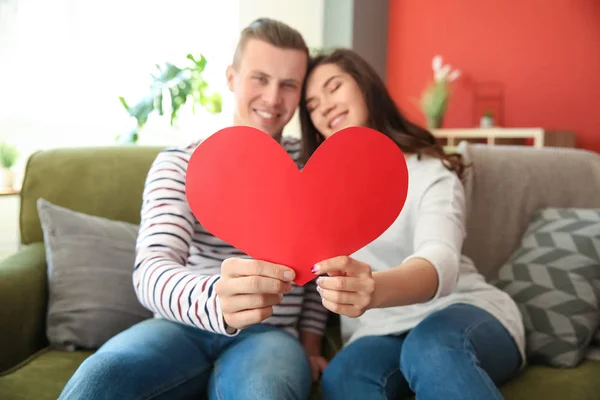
(324,85)
(259,72)
(292,80)
(289,80)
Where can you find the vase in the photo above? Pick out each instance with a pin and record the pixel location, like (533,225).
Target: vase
(7,179)
(435,122)
(486,122)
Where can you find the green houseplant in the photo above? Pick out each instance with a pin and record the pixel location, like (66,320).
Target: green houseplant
(180,85)
(8,158)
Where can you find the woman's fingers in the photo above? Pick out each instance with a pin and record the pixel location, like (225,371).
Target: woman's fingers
(347,295)
(346,283)
(344,264)
(343,309)
(355,299)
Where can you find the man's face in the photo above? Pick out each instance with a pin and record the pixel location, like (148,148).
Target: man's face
(267,86)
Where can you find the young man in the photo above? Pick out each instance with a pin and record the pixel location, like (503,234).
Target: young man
(225,325)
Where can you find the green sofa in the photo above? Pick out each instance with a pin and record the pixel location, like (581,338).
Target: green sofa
(108,182)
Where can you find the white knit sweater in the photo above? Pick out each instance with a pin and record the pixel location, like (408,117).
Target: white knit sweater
(431,226)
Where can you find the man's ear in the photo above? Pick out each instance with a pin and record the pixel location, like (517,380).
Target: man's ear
(230,74)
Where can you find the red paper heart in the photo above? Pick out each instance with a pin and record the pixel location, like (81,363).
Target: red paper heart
(245,189)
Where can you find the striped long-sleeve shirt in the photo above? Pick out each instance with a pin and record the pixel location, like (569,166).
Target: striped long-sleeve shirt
(178,262)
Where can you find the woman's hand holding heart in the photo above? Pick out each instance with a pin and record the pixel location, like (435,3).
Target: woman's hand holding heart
(348,287)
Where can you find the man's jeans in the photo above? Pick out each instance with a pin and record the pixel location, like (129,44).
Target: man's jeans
(461,352)
(160,359)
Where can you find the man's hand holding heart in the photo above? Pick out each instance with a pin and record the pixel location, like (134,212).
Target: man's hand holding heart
(248,290)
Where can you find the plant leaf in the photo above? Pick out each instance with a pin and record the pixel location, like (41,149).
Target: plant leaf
(179,94)
(142,110)
(199,64)
(435,99)
(212,103)
(123,102)
(8,155)
(167,73)
(179,83)
(158,103)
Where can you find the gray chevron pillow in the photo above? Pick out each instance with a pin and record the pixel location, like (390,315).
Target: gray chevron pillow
(554,277)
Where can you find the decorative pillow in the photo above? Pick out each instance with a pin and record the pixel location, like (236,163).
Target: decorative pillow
(594,350)
(554,277)
(90,265)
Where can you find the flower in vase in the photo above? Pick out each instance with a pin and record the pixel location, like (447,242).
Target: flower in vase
(434,99)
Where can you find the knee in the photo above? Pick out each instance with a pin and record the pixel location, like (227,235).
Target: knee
(335,374)
(264,383)
(97,374)
(429,349)
(349,375)
(280,387)
(275,366)
(108,366)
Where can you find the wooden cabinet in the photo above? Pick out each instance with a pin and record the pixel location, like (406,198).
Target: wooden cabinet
(539,136)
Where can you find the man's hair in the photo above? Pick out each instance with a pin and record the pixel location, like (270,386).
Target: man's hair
(270,31)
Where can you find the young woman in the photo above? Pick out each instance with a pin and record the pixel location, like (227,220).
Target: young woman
(416,316)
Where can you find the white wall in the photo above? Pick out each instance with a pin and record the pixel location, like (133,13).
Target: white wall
(75,101)
(9,225)
(306,16)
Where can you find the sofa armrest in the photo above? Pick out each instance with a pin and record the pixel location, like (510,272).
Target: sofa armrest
(23,301)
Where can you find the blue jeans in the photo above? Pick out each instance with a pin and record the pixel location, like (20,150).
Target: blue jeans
(160,359)
(460,352)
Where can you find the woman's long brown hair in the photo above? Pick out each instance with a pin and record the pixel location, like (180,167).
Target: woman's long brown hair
(384,115)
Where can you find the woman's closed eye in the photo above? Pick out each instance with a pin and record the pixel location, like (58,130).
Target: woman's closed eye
(335,86)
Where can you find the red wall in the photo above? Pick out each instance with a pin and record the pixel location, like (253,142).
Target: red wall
(545,55)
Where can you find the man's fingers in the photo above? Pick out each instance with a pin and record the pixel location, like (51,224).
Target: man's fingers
(322,362)
(238,267)
(243,319)
(253,285)
(318,365)
(233,304)
(314,368)
(344,264)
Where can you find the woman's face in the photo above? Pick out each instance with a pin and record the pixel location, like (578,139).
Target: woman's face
(334,100)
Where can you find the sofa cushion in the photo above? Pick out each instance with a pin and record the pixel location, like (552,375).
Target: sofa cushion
(554,277)
(90,262)
(44,377)
(103,181)
(506,183)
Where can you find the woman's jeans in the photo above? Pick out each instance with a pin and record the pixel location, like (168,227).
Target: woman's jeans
(160,359)
(460,352)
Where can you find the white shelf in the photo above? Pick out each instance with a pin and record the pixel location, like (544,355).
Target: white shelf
(541,137)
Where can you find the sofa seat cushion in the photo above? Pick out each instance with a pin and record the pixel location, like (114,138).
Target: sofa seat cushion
(542,382)
(43,377)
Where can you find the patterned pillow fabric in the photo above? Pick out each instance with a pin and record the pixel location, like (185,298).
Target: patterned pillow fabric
(554,277)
